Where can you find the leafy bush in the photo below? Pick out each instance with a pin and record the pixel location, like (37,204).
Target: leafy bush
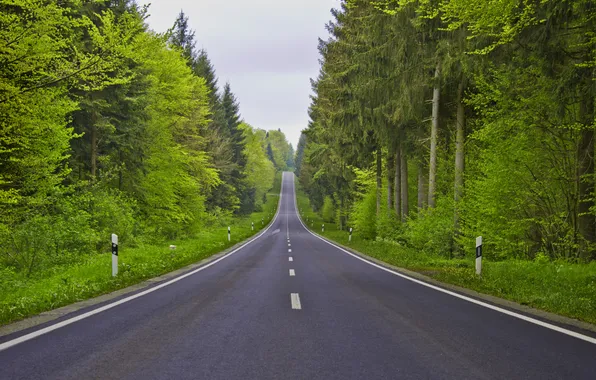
(109,211)
(328,212)
(78,224)
(432,230)
(44,240)
(364,215)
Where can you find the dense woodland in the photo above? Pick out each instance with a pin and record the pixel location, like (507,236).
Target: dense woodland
(436,121)
(108,127)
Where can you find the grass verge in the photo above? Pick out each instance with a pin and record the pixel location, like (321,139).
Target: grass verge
(21,297)
(558,287)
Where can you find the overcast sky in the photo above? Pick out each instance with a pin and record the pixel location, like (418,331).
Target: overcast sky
(266,49)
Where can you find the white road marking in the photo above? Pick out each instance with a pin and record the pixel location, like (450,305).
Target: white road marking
(287,223)
(295,298)
(292,273)
(290,258)
(56,326)
(289,245)
(454,294)
(289,250)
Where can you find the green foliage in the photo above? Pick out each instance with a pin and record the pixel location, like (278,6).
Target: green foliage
(431,231)
(107,127)
(328,210)
(260,172)
(279,150)
(34,131)
(513,108)
(299,156)
(364,215)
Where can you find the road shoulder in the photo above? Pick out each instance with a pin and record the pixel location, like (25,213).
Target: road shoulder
(82,306)
(562,321)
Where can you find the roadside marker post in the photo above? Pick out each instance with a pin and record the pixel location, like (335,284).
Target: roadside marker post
(252,225)
(114,255)
(229,234)
(323,228)
(262,221)
(350,238)
(479,255)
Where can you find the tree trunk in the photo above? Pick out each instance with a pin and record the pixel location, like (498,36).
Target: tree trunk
(390,175)
(120,174)
(397,187)
(432,174)
(379,178)
(421,187)
(405,204)
(341,216)
(459,154)
(586,219)
(93,162)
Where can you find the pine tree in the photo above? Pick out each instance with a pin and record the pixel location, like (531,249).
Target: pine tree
(183,37)
(270,153)
(299,157)
(244,192)
(231,115)
(203,68)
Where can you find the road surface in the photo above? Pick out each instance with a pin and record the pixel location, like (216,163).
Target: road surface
(290,306)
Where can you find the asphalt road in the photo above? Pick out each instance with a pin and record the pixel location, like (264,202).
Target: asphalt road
(313,313)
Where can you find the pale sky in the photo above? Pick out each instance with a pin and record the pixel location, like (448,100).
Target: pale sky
(266,49)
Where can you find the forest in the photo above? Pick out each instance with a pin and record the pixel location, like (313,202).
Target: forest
(109,127)
(437,121)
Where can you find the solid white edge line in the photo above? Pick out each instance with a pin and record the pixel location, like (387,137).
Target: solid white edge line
(292,272)
(88,314)
(295,299)
(457,295)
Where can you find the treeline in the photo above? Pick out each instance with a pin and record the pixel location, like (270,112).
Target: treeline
(436,121)
(108,127)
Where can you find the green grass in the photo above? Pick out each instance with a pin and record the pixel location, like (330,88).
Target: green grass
(558,287)
(21,297)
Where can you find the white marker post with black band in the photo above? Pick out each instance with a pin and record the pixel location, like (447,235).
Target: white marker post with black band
(323,228)
(252,225)
(350,238)
(229,234)
(114,255)
(478,255)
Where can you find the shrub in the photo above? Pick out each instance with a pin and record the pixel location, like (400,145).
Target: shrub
(110,211)
(364,215)
(44,240)
(76,225)
(327,211)
(432,230)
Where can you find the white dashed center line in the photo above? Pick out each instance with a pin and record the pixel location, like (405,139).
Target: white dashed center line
(289,250)
(292,273)
(290,258)
(289,245)
(295,298)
